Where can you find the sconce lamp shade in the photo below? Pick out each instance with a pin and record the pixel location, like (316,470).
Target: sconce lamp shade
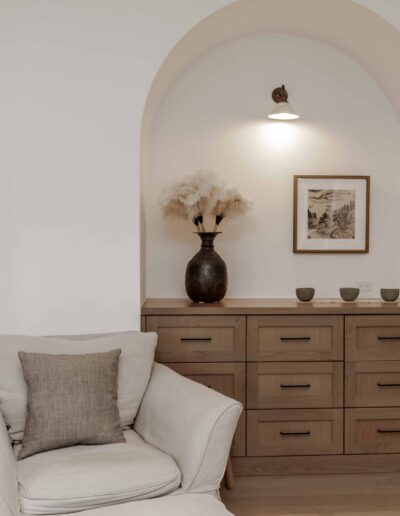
(283,110)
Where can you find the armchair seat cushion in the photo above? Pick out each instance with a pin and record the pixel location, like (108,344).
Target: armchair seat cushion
(87,477)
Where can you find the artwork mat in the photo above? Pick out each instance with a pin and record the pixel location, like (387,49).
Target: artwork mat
(304,183)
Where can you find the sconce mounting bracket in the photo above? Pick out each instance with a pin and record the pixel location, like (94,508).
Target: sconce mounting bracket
(280,94)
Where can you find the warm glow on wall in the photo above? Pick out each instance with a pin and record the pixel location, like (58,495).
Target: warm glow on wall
(279,135)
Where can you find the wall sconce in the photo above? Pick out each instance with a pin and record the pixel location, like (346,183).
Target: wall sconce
(283,110)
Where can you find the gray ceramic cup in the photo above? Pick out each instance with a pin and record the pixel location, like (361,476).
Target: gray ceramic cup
(305,294)
(390,294)
(349,294)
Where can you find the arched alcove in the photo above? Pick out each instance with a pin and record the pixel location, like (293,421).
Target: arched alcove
(317,22)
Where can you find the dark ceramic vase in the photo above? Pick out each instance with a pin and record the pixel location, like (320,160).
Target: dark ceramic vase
(206,277)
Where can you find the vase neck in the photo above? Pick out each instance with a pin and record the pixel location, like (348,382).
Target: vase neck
(207,240)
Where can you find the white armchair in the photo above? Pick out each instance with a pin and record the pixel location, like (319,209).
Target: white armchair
(179,445)
(192,424)
(9,505)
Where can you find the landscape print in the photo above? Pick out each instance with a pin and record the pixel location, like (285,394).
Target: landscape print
(331,214)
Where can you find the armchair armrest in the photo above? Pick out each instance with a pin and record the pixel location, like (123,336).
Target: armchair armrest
(9,504)
(193,424)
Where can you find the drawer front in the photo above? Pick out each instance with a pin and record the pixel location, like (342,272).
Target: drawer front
(227,378)
(199,338)
(372,384)
(294,385)
(295,338)
(294,432)
(373,430)
(373,337)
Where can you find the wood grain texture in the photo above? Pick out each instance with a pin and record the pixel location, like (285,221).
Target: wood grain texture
(228,378)
(294,385)
(199,339)
(372,384)
(373,494)
(302,337)
(373,338)
(316,464)
(372,430)
(268,306)
(294,432)
(301,344)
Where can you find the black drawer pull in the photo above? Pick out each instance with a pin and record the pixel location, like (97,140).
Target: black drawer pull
(388,338)
(199,339)
(388,384)
(285,434)
(388,431)
(295,385)
(295,338)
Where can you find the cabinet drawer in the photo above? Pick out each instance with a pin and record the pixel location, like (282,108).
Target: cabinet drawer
(303,337)
(372,384)
(373,337)
(227,378)
(294,432)
(373,430)
(295,385)
(199,338)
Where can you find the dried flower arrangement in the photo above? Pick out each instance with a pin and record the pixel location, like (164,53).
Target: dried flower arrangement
(202,194)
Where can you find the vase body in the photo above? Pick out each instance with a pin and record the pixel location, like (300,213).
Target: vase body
(206,277)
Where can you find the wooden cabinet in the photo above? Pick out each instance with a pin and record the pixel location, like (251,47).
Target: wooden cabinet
(373,430)
(285,338)
(319,382)
(373,384)
(373,338)
(294,432)
(229,378)
(198,338)
(294,385)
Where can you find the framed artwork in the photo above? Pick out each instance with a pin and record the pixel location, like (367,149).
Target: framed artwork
(331,214)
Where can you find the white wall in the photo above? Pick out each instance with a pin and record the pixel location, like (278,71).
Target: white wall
(215,117)
(387,9)
(74,81)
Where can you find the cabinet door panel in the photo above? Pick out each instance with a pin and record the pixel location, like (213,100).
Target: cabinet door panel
(294,385)
(199,338)
(294,432)
(295,338)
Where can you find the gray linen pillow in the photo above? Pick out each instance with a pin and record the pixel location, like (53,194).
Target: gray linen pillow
(72,399)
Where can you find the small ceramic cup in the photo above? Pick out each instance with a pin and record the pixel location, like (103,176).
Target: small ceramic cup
(305,294)
(390,294)
(349,294)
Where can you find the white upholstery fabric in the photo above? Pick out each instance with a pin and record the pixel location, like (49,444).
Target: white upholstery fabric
(134,370)
(193,424)
(86,477)
(8,475)
(185,505)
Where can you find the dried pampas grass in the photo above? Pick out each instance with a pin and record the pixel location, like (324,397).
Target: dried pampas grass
(200,194)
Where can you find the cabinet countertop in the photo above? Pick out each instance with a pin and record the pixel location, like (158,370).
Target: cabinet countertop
(268,306)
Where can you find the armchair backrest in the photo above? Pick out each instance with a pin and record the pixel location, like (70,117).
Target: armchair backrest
(137,356)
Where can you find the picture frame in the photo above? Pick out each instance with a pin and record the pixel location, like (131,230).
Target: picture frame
(331,214)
